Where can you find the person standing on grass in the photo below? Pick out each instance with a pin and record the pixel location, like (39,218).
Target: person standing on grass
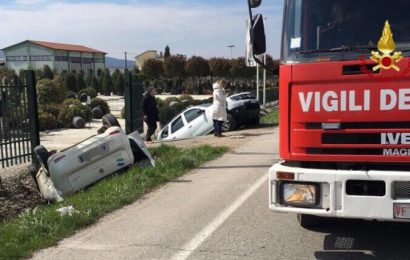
(219,114)
(150,109)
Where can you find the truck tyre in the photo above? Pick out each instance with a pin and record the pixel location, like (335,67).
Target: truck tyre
(78,122)
(42,156)
(110,120)
(97,112)
(230,125)
(308,221)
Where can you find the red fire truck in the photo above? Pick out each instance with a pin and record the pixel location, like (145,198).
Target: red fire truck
(344,110)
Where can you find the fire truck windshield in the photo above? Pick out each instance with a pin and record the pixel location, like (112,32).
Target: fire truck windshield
(341,29)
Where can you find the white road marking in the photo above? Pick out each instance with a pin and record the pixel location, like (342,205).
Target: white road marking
(187,249)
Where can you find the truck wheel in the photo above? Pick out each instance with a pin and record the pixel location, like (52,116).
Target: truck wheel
(110,120)
(230,125)
(42,155)
(308,221)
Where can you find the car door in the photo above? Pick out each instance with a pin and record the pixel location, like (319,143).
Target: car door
(197,122)
(178,129)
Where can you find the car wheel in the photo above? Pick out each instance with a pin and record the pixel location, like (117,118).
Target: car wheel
(255,121)
(230,125)
(110,120)
(309,221)
(42,155)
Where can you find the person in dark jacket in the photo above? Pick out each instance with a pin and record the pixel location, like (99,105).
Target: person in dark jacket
(150,109)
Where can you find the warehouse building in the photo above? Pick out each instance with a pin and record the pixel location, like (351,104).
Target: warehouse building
(59,57)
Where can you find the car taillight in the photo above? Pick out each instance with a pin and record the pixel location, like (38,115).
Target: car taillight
(115,132)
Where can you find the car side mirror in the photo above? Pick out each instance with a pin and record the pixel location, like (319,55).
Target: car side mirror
(254,3)
(258,37)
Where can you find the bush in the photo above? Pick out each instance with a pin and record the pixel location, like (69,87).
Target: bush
(49,92)
(165,115)
(102,103)
(170,99)
(47,121)
(70,94)
(52,109)
(160,102)
(72,101)
(123,113)
(189,98)
(89,92)
(67,113)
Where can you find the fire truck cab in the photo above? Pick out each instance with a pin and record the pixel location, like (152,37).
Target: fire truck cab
(344,111)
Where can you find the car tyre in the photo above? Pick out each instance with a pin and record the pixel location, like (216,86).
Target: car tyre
(230,125)
(309,221)
(42,155)
(97,113)
(110,120)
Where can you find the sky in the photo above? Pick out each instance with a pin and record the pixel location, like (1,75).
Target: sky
(190,27)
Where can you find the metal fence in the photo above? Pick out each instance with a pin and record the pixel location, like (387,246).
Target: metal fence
(134,115)
(272,94)
(18,121)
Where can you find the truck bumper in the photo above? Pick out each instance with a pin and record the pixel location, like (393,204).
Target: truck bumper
(333,188)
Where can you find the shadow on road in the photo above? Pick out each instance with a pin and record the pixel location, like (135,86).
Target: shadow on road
(357,239)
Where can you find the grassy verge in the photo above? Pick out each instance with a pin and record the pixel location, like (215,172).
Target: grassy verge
(271,119)
(44,227)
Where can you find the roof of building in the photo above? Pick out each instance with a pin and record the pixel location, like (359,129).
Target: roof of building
(146,52)
(60,46)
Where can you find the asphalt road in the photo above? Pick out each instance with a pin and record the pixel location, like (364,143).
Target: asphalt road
(220,211)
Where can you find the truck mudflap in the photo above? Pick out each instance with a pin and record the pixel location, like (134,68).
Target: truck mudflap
(46,186)
(372,195)
(139,149)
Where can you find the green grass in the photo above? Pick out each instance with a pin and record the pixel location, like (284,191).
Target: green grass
(44,227)
(271,119)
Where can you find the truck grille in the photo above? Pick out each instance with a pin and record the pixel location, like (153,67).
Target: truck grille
(401,190)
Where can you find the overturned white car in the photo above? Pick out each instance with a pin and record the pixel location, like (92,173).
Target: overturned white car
(243,108)
(65,172)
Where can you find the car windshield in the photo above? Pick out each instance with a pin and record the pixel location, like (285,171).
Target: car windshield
(341,29)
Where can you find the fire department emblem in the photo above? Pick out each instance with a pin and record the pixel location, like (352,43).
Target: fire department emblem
(385,57)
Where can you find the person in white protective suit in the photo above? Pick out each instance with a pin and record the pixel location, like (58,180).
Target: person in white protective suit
(219,113)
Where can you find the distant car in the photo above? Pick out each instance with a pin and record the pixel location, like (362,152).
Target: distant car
(243,108)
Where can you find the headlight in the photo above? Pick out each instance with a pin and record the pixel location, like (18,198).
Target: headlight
(300,194)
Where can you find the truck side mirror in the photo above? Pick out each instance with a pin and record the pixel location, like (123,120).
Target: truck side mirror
(254,3)
(258,37)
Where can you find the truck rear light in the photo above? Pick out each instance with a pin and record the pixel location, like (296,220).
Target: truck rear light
(285,175)
(300,194)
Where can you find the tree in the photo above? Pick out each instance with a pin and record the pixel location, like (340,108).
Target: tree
(95,84)
(119,84)
(167,52)
(106,83)
(89,78)
(174,66)
(80,81)
(153,68)
(70,82)
(239,70)
(273,65)
(219,67)
(197,68)
(47,72)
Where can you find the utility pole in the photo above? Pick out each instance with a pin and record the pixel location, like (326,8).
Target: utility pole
(231,47)
(126,61)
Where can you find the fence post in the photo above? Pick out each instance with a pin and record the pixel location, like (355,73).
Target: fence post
(133,104)
(33,113)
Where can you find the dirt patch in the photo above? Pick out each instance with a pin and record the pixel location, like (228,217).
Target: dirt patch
(19,192)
